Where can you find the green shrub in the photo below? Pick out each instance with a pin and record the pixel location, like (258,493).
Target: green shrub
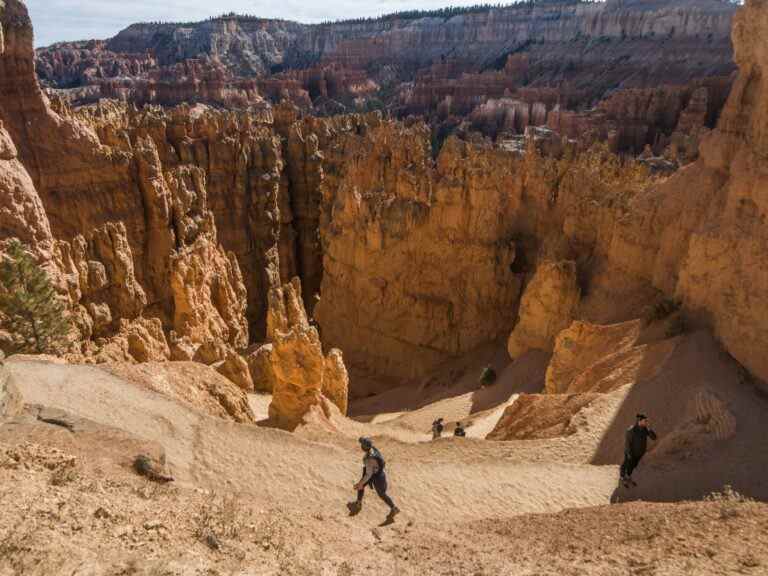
(29,307)
(488,376)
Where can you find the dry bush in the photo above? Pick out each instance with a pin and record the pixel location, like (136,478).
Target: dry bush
(221,517)
(488,376)
(290,545)
(16,539)
(149,490)
(675,326)
(64,473)
(731,502)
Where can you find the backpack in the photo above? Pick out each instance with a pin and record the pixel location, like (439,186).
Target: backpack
(375,454)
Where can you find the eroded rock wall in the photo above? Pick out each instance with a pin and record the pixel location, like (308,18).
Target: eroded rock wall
(702,235)
(130,240)
(169,228)
(417,264)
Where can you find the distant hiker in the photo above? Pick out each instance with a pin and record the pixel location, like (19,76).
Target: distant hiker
(459,431)
(635,444)
(437,428)
(373,475)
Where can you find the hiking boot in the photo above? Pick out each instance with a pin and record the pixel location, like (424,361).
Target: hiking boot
(394,512)
(354,508)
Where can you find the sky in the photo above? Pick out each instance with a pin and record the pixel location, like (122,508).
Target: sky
(59,20)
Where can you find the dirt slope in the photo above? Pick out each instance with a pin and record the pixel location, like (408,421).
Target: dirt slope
(276,466)
(275,502)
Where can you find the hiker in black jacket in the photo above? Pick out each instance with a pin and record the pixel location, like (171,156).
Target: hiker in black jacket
(373,475)
(437,428)
(635,445)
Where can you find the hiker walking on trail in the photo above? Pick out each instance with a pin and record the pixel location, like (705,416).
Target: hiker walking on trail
(459,431)
(635,445)
(437,428)
(373,475)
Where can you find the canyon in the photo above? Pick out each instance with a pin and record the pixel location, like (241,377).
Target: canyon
(167,227)
(272,239)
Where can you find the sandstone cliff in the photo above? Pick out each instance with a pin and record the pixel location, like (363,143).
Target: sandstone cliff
(169,228)
(547,306)
(135,244)
(701,236)
(418,259)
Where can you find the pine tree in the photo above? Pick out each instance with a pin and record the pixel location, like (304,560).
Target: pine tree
(29,308)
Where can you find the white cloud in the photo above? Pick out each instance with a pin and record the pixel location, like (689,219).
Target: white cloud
(59,20)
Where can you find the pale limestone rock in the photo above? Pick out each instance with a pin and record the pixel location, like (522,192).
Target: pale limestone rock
(192,383)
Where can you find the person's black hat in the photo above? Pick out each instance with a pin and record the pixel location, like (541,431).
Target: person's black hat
(641,416)
(365,442)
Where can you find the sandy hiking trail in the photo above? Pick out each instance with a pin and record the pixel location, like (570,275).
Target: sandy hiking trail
(277,499)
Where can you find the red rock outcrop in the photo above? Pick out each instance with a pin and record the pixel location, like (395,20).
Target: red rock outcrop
(82,63)
(136,248)
(191,81)
(534,416)
(581,345)
(565,56)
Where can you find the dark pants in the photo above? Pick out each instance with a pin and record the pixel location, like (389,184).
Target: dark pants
(630,463)
(379,483)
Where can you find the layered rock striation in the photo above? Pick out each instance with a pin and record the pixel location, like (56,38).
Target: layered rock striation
(417,257)
(526,61)
(131,242)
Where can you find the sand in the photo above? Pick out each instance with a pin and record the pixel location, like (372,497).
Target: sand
(546,502)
